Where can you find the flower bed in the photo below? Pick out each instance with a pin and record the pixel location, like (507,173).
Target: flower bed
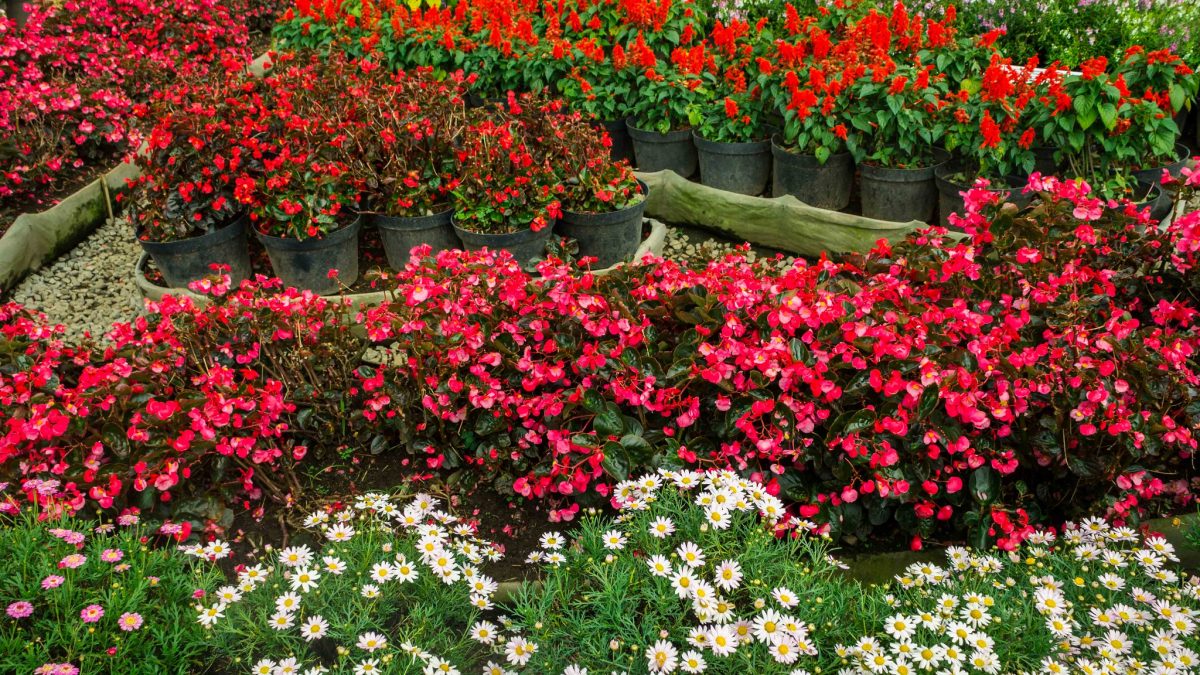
(73,77)
(938,388)
(86,596)
(1073,32)
(397,584)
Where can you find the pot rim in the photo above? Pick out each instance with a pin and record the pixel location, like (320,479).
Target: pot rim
(411,223)
(646,135)
(776,145)
(338,236)
(738,147)
(645,191)
(526,234)
(880,172)
(231,230)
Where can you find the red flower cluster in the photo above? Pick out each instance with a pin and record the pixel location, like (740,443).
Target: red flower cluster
(922,383)
(70,78)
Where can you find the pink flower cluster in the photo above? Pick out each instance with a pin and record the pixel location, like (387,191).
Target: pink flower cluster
(20,609)
(56,669)
(1041,367)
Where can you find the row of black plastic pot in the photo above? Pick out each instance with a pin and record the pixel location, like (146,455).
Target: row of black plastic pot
(330,263)
(886,193)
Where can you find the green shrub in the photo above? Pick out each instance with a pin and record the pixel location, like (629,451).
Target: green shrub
(99,598)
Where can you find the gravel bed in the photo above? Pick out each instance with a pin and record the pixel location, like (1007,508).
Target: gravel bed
(88,288)
(698,247)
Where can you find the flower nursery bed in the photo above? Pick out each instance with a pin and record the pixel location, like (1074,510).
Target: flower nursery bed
(394,580)
(789,103)
(479,372)
(955,434)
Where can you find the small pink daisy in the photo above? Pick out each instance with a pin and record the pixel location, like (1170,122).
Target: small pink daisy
(66,669)
(72,561)
(69,536)
(91,613)
(52,581)
(20,609)
(130,621)
(112,555)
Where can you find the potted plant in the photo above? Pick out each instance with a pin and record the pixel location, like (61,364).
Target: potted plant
(405,160)
(183,208)
(600,88)
(1145,134)
(1106,135)
(1162,77)
(734,147)
(304,214)
(300,193)
(990,135)
(602,202)
(811,157)
(900,124)
(505,199)
(664,110)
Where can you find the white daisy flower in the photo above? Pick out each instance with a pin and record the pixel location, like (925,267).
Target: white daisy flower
(662,657)
(661,528)
(314,628)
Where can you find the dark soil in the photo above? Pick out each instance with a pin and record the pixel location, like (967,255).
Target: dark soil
(511,522)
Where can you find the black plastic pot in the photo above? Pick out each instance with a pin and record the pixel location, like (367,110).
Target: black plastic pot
(524,246)
(1158,199)
(611,237)
(622,144)
(743,168)
(1044,161)
(898,195)
(673,150)
(1153,175)
(950,199)
(825,186)
(306,263)
(188,260)
(401,234)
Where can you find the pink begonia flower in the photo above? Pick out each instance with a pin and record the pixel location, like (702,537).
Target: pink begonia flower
(1088,209)
(1190,176)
